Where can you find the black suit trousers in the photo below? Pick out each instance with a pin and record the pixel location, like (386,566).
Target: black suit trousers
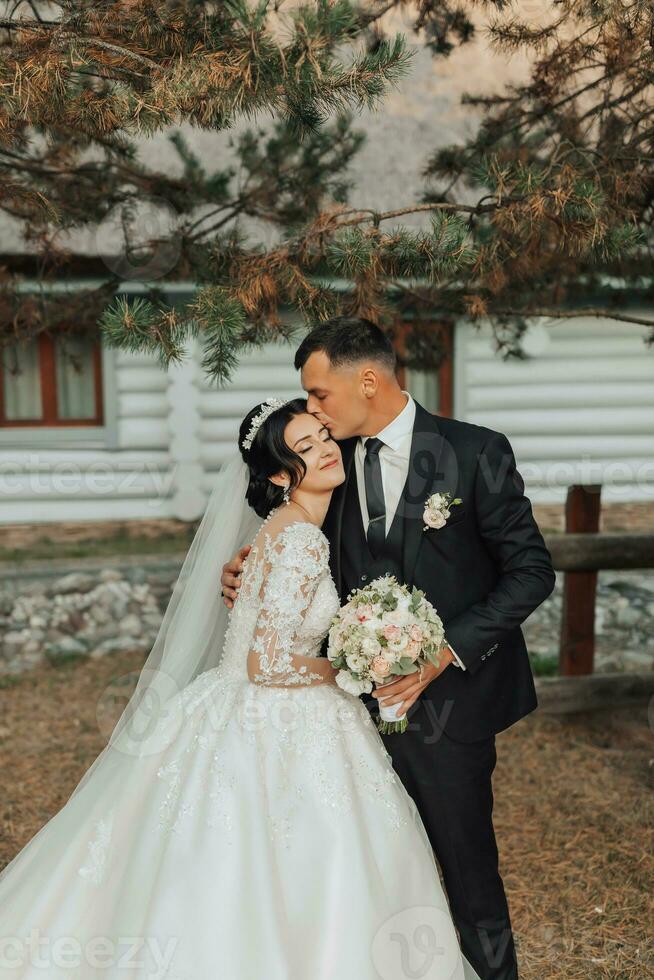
(450,782)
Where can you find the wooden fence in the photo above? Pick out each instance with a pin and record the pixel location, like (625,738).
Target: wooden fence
(580,553)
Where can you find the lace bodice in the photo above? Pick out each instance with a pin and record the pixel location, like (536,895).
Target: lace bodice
(285,605)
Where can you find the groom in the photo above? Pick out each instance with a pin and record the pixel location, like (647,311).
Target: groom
(485,570)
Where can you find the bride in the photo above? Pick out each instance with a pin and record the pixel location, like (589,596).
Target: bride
(244,821)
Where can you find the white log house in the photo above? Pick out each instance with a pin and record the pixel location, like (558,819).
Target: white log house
(148,443)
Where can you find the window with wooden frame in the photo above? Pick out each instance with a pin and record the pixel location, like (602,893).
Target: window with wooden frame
(433,388)
(51,381)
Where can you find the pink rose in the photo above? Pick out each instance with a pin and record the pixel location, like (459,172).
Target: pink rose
(392,633)
(380,666)
(416,633)
(412,650)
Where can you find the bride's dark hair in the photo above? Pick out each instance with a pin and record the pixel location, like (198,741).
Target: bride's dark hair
(269,454)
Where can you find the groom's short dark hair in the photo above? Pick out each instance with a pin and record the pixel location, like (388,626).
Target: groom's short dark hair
(346,340)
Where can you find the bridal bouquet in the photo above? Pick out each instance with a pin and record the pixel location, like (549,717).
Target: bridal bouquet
(384,631)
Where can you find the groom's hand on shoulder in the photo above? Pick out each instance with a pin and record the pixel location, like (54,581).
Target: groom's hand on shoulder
(230,579)
(407,690)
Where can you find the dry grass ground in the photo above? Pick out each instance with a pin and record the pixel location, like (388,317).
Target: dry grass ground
(573,803)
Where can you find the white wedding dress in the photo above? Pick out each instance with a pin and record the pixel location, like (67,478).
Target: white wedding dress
(274,840)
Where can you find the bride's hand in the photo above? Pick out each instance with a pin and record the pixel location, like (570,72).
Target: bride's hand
(230,579)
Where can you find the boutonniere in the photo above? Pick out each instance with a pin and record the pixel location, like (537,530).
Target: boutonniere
(437,509)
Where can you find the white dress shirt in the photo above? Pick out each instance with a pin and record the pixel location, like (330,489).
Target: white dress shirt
(394,458)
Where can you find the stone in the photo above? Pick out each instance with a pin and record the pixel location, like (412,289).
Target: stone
(98,614)
(36,636)
(607,665)
(639,659)
(627,616)
(32,646)
(118,644)
(33,658)
(97,634)
(23,663)
(116,609)
(54,635)
(112,644)
(69,646)
(34,589)
(13,642)
(152,619)
(73,582)
(130,625)
(111,600)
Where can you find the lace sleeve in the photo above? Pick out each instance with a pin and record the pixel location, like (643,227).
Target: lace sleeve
(294,563)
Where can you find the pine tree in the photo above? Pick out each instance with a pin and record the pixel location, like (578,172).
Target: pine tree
(529,218)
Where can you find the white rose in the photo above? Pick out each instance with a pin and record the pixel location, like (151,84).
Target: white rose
(433,516)
(336,638)
(370,647)
(356,661)
(401,644)
(348,683)
(398,617)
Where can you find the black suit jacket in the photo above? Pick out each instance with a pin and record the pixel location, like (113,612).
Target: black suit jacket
(484,571)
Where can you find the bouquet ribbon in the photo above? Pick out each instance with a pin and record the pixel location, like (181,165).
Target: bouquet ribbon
(391,717)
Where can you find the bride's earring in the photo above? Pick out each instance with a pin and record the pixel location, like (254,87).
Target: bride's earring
(287,495)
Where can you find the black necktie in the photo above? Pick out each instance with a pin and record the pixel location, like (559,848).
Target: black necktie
(376,534)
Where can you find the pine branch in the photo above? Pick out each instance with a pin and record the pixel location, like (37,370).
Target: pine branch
(222,323)
(582,311)
(141,326)
(553,190)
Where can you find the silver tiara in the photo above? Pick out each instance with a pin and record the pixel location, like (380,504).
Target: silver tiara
(270,405)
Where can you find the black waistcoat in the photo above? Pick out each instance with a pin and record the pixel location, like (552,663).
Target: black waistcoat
(358,565)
